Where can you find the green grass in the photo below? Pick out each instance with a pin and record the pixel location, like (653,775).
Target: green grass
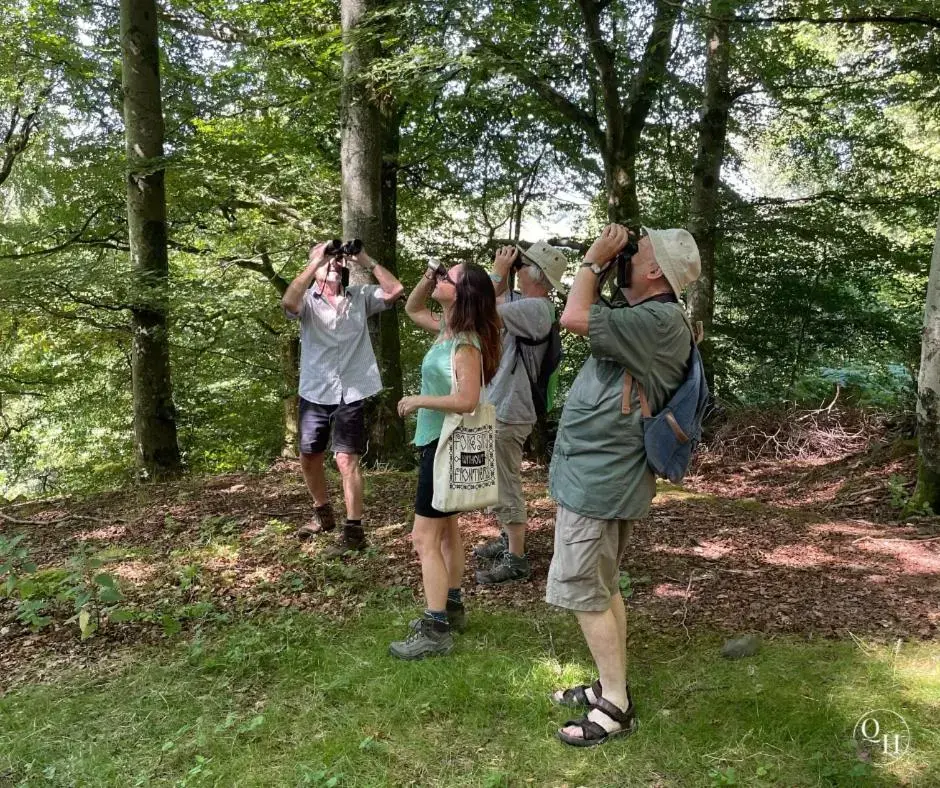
(295,700)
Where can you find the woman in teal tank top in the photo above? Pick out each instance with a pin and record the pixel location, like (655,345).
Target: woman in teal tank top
(467,336)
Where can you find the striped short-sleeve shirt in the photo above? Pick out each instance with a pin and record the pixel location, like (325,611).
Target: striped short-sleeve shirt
(337,363)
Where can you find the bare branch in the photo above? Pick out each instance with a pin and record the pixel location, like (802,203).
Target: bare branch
(217,31)
(858,19)
(567,108)
(652,70)
(18,134)
(605,64)
(76,237)
(277,209)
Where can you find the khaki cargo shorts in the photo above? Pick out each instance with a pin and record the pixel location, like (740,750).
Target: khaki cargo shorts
(585,570)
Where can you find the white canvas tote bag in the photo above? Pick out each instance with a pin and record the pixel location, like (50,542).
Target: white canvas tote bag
(465,461)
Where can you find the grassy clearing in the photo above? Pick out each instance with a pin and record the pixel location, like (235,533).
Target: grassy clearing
(296,700)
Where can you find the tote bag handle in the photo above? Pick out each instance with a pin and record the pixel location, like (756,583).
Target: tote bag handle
(454,387)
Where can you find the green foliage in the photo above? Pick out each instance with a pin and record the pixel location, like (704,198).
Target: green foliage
(903,500)
(628,584)
(15,564)
(93,594)
(827,202)
(17,575)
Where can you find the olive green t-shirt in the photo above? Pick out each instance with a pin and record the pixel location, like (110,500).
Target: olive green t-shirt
(599,464)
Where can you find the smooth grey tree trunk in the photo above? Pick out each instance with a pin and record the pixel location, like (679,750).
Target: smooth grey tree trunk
(289,344)
(927,492)
(364,130)
(154,413)
(706,172)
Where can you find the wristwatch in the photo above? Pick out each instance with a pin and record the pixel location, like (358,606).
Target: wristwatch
(596,269)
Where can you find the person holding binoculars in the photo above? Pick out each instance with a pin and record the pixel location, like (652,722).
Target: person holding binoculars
(599,476)
(338,372)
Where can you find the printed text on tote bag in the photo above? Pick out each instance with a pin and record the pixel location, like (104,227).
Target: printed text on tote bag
(469,469)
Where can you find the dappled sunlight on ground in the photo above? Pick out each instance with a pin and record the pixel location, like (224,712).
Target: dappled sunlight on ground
(136,572)
(106,534)
(737,549)
(797,556)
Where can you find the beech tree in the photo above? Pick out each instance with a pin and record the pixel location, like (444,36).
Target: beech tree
(927,492)
(706,172)
(154,412)
(364,128)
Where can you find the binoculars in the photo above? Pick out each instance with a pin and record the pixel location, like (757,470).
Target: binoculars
(336,248)
(624,259)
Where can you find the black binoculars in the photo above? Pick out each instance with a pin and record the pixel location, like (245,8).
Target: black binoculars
(336,248)
(624,259)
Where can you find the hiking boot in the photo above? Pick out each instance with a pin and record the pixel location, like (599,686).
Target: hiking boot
(425,640)
(508,569)
(456,617)
(321,522)
(493,549)
(352,540)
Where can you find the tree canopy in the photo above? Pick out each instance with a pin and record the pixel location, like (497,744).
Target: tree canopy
(499,121)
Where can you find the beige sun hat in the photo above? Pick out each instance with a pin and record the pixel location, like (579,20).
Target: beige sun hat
(550,260)
(677,255)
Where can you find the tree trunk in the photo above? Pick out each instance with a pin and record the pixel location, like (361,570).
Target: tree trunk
(290,365)
(364,173)
(623,205)
(706,172)
(154,413)
(927,492)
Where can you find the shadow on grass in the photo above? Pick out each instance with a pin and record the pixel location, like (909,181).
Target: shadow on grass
(293,699)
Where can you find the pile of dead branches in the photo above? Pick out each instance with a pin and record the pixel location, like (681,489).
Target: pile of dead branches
(789,432)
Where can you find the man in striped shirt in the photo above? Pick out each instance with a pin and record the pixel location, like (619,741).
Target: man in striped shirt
(338,372)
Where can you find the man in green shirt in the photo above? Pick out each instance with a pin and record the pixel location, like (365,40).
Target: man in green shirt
(599,475)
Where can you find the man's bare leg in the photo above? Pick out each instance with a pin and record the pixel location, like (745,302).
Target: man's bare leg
(516,535)
(351,473)
(602,632)
(311,465)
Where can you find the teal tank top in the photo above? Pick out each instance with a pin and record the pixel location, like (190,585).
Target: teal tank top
(436,382)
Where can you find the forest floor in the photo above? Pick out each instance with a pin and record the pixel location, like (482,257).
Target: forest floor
(810,554)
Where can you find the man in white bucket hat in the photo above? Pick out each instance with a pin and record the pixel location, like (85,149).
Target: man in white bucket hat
(599,475)
(528,317)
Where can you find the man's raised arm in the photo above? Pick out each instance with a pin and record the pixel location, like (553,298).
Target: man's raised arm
(392,289)
(584,290)
(293,299)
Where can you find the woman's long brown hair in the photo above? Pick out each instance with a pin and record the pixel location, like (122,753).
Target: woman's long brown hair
(475,311)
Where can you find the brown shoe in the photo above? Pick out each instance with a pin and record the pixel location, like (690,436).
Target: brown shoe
(321,522)
(352,540)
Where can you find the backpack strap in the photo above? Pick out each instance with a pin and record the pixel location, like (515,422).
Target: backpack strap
(626,407)
(520,341)
(626,404)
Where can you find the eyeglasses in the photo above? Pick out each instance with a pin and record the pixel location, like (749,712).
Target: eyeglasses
(442,275)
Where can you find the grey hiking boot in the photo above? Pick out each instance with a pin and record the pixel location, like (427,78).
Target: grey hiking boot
(456,617)
(493,549)
(423,641)
(321,522)
(352,540)
(508,569)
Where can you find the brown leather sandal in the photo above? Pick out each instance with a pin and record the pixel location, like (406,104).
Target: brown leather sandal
(576,697)
(594,734)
